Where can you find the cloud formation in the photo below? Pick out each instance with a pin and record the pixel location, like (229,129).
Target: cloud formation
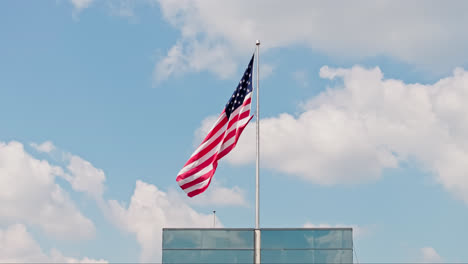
(214,34)
(149,211)
(220,196)
(81,4)
(18,246)
(352,132)
(430,255)
(46,146)
(358,231)
(29,194)
(85,177)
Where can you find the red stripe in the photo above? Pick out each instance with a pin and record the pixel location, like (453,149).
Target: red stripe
(230,135)
(215,129)
(233,132)
(220,137)
(225,151)
(197,169)
(205,150)
(235,118)
(248,101)
(199,179)
(198,191)
(244,114)
(241,129)
(216,156)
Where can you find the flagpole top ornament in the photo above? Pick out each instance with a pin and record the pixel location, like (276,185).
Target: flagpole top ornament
(257,42)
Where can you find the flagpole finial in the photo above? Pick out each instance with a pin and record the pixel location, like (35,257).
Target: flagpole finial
(257,42)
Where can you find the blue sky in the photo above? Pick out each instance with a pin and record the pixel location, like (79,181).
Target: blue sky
(362,113)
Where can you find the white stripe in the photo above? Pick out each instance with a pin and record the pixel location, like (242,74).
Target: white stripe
(202,146)
(208,142)
(227,143)
(196,175)
(231,141)
(202,159)
(197,186)
(214,137)
(215,149)
(220,131)
(248,96)
(238,123)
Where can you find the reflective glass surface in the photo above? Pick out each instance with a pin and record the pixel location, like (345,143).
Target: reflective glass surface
(208,256)
(307,239)
(307,256)
(277,246)
(208,239)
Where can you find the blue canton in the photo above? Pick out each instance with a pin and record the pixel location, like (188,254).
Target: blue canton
(244,87)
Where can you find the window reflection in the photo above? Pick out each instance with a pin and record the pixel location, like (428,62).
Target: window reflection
(306,239)
(208,256)
(237,245)
(208,239)
(307,256)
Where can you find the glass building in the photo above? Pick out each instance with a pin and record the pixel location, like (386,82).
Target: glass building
(278,245)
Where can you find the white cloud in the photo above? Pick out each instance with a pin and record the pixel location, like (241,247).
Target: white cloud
(17,245)
(220,196)
(358,231)
(81,4)
(354,30)
(429,255)
(203,130)
(195,55)
(312,146)
(150,210)
(28,193)
(46,146)
(85,177)
(350,133)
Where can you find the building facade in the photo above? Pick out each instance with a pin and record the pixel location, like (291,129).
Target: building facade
(278,245)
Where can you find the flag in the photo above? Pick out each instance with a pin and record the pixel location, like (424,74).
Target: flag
(198,171)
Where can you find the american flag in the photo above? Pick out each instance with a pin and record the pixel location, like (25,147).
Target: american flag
(198,171)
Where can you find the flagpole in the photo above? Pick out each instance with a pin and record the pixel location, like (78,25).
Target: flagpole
(257,178)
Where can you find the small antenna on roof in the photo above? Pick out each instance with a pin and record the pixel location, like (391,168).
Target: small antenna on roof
(214,219)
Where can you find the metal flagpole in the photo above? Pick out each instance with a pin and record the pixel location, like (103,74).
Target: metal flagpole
(257,178)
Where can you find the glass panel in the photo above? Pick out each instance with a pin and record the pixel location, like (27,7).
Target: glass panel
(232,239)
(207,256)
(303,239)
(307,256)
(208,239)
(181,239)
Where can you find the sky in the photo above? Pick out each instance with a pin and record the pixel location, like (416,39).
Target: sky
(363,124)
